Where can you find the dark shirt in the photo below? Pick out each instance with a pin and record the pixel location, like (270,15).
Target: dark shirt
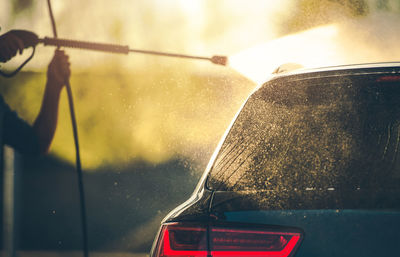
(16,132)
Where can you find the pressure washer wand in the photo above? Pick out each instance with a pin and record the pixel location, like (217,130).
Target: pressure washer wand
(120,49)
(30,39)
(216,59)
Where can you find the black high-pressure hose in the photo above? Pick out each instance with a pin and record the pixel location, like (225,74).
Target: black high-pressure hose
(79,172)
(78,158)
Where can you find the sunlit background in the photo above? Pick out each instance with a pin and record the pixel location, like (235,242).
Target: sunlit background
(155,110)
(152,108)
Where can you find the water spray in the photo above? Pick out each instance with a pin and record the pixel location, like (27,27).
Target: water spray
(30,39)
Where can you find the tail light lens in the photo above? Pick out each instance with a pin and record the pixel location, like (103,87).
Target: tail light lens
(195,240)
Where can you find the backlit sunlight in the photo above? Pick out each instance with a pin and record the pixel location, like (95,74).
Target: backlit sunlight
(312,48)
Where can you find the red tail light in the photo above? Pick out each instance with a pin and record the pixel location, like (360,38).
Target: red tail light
(180,239)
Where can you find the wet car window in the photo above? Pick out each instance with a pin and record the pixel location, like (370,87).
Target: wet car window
(319,134)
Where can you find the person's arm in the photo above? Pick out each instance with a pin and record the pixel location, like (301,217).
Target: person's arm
(16,132)
(46,122)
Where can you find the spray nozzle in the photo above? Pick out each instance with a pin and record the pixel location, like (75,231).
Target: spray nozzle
(218,59)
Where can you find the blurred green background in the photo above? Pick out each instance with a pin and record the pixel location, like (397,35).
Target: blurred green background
(145,139)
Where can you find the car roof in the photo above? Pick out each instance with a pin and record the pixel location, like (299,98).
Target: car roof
(342,70)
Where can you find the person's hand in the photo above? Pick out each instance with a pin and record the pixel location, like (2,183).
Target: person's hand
(59,71)
(10,44)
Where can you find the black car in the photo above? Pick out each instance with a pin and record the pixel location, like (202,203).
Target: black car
(309,167)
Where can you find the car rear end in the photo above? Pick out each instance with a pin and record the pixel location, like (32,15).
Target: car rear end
(310,167)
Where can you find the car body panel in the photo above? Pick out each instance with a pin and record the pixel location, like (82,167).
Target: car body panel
(331,233)
(347,220)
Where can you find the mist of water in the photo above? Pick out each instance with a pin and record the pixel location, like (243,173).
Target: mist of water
(374,38)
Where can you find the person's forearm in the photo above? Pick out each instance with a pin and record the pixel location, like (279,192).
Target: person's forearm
(46,122)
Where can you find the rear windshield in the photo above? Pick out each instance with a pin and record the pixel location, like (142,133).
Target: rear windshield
(317,134)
